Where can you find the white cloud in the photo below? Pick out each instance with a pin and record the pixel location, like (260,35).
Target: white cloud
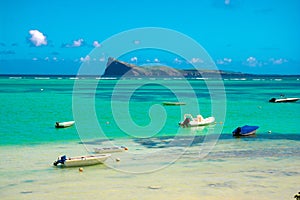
(37,38)
(102,59)
(278,61)
(227,2)
(251,59)
(77,43)
(224,61)
(136,42)
(156,60)
(196,60)
(85,59)
(253,62)
(176,60)
(133,59)
(96,44)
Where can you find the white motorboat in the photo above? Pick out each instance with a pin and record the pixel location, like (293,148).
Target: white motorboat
(190,121)
(113,149)
(64,124)
(283,100)
(81,160)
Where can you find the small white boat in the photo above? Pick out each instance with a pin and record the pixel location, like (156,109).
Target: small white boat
(189,121)
(64,124)
(113,149)
(283,100)
(81,160)
(169,103)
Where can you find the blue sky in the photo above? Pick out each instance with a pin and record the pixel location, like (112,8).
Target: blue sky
(54,37)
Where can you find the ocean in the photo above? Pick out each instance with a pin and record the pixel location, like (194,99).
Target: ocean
(164,161)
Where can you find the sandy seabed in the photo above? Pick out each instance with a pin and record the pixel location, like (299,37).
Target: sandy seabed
(27,173)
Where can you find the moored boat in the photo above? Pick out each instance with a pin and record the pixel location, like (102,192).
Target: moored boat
(283,100)
(64,124)
(170,103)
(245,131)
(81,160)
(189,121)
(113,149)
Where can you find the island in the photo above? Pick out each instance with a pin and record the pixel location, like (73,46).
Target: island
(117,68)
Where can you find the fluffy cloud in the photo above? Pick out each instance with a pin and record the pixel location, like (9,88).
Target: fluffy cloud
(224,61)
(85,59)
(176,60)
(196,60)
(133,59)
(136,42)
(251,61)
(102,59)
(278,61)
(96,44)
(37,38)
(75,43)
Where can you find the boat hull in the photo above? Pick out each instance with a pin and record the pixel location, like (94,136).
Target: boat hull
(173,103)
(284,100)
(83,161)
(204,122)
(64,124)
(245,131)
(189,121)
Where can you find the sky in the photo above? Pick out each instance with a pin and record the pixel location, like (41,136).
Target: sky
(57,36)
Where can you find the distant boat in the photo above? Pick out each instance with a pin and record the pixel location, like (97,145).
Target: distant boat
(110,149)
(245,131)
(169,103)
(189,121)
(64,124)
(283,100)
(81,160)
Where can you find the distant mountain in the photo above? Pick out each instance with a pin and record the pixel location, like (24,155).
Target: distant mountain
(117,68)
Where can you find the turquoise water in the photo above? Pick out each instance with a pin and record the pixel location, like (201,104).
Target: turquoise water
(183,163)
(31,106)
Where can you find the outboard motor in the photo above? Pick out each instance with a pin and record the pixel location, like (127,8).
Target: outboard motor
(237,131)
(272,100)
(186,122)
(61,160)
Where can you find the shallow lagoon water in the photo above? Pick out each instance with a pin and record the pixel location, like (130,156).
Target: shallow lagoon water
(163,166)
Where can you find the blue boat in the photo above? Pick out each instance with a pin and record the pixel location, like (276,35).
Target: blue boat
(245,130)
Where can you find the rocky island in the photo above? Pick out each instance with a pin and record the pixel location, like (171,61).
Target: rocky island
(117,68)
